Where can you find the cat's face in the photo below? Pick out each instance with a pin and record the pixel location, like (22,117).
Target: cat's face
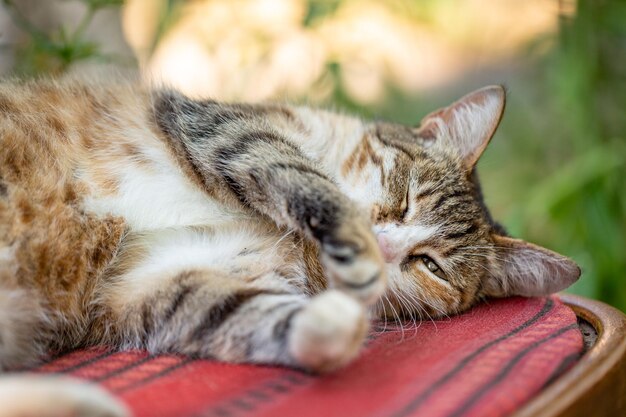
(442,249)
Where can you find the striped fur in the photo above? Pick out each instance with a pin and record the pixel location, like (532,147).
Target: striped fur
(247,233)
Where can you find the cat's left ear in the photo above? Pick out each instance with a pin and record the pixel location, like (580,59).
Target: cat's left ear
(528,270)
(467,125)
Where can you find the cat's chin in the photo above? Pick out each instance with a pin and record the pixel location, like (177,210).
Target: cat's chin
(391,310)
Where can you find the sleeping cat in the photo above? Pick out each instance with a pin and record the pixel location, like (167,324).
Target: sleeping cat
(261,233)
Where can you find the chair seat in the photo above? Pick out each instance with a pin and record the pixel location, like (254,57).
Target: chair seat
(489,361)
(596,385)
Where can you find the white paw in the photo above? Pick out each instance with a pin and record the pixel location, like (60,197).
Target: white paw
(328,332)
(45,396)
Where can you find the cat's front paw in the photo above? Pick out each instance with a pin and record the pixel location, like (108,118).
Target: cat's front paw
(328,333)
(43,396)
(353,262)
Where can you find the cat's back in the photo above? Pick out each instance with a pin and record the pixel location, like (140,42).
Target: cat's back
(81,165)
(97,145)
(49,130)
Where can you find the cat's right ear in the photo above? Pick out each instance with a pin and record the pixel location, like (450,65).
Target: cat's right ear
(467,125)
(528,270)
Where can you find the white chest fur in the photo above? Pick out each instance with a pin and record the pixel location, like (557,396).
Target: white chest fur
(155,195)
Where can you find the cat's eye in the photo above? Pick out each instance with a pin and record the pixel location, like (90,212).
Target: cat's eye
(405,205)
(432,266)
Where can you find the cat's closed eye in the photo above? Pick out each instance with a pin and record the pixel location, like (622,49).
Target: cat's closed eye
(405,205)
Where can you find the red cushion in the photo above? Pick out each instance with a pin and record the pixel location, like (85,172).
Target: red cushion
(487,362)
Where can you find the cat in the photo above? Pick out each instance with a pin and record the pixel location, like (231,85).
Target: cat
(136,217)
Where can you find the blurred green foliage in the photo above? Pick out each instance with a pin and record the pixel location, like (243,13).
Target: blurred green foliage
(54,52)
(556,172)
(580,196)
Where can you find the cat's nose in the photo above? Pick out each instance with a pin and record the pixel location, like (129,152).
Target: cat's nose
(386,247)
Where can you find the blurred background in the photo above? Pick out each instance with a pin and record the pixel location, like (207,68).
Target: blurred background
(555,173)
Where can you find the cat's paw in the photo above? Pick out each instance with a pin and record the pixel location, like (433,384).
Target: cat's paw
(353,261)
(328,333)
(43,396)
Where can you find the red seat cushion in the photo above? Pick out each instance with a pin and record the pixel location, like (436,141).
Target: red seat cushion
(487,362)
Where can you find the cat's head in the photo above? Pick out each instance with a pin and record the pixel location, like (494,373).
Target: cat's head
(442,248)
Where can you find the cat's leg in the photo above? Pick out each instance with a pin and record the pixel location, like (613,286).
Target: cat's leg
(270,174)
(205,314)
(26,327)
(22,322)
(23,331)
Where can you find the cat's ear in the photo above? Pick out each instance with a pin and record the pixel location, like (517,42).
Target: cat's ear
(528,270)
(467,125)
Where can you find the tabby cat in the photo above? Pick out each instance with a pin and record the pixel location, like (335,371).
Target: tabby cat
(139,218)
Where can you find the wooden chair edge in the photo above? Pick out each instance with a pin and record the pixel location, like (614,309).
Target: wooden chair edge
(596,384)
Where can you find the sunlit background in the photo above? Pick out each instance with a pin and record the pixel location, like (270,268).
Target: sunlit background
(555,173)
